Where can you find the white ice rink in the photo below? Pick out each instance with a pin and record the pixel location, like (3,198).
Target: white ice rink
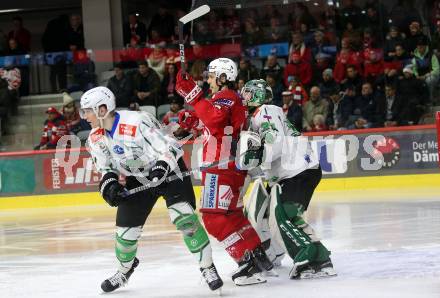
(379,249)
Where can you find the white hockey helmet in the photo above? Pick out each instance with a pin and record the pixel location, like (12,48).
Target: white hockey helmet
(96,97)
(223,66)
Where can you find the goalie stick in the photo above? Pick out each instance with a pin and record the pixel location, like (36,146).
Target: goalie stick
(196,13)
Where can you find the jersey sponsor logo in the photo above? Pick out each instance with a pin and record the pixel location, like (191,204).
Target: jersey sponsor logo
(118,149)
(225,197)
(224,102)
(210,191)
(128,130)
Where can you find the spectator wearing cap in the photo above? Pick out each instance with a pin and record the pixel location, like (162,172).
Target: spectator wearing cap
(426,66)
(292,110)
(327,83)
(364,108)
(300,68)
(415,95)
(346,56)
(54,129)
(121,87)
(340,108)
(277,89)
(316,105)
(71,114)
(146,85)
(273,67)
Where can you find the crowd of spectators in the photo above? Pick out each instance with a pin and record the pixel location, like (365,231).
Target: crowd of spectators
(348,67)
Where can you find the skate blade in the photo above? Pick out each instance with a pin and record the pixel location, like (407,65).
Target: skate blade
(320,274)
(248,281)
(218,292)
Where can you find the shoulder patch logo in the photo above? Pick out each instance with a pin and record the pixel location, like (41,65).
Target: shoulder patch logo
(128,130)
(118,149)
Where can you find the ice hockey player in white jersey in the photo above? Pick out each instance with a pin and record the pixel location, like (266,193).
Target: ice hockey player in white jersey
(132,144)
(292,171)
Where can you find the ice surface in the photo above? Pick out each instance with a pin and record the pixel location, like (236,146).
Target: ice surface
(380,249)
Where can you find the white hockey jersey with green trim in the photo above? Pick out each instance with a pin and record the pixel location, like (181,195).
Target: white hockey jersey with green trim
(286,152)
(135,143)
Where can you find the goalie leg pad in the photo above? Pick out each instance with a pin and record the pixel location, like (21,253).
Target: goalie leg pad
(298,244)
(194,235)
(234,231)
(126,246)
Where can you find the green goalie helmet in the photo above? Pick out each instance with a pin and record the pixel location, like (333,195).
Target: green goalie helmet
(256,93)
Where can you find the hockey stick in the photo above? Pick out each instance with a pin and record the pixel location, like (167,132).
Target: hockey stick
(196,13)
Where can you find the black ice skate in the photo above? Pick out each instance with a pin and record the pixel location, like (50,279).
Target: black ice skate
(119,279)
(212,278)
(248,272)
(261,259)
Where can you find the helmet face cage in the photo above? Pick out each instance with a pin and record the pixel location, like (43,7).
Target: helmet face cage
(256,93)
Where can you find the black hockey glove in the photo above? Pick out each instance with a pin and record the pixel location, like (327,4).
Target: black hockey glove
(158,173)
(111,189)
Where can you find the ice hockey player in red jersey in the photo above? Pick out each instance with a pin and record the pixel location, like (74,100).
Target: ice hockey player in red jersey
(223,116)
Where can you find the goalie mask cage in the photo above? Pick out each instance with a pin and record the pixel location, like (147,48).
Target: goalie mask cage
(239,4)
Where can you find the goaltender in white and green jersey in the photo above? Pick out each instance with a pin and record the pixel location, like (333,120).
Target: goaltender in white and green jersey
(276,149)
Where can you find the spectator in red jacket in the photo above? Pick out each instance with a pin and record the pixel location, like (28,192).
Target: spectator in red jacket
(299,68)
(346,56)
(54,129)
(373,65)
(298,46)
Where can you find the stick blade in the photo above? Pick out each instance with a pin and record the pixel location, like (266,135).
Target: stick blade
(196,13)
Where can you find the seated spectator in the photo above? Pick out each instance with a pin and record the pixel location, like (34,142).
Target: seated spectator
(146,85)
(316,105)
(373,66)
(172,116)
(352,79)
(389,108)
(292,110)
(84,76)
(121,86)
(415,34)
(54,129)
(273,67)
(12,77)
(327,83)
(168,84)
(321,63)
(340,108)
(346,56)
(415,95)
(394,66)
(275,32)
(252,34)
(364,109)
(319,123)
(134,31)
(156,60)
(299,68)
(20,34)
(426,66)
(277,89)
(299,92)
(320,46)
(71,114)
(246,70)
(393,38)
(298,47)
